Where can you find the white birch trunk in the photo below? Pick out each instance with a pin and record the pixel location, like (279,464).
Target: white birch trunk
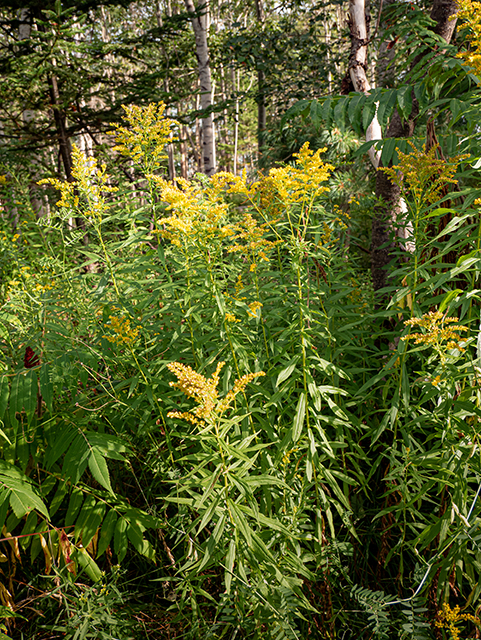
(358,66)
(199,24)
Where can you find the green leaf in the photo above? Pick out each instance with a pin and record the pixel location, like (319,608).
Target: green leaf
(368,114)
(209,513)
(300,107)
(451,226)
(4,395)
(354,111)
(111,446)
(450,295)
(76,459)
(22,497)
(4,506)
(405,387)
(387,102)
(142,546)
(30,390)
(329,389)
(299,418)
(229,565)
(388,148)
(16,400)
(404,101)
(89,565)
(287,371)
(75,503)
(331,368)
(315,114)
(241,522)
(58,442)
(120,538)
(58,498)
(340,114)
(439,211)
(5,612)
(456,110)
(327,111)
(106,532)
(89,520)
(46,387)
(99,469)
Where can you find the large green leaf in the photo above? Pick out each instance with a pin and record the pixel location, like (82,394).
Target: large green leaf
(99,469)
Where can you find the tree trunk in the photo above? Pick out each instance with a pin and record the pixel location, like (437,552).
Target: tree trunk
(235,84)
(387,215)
(184,165)
(60,125)
(359,28)
(199,24)
(261,97)
(28,118)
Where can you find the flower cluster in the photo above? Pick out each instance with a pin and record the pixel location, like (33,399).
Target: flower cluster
(250,241)
(448,619)
(253,307)
(303,181)
(292,183)
(204,391)
(33,284)
(145,138)
(195,217)
(121,331)
(423,173)
(469,15)
(30,359)
(437,335)
(85,193)
(239,287)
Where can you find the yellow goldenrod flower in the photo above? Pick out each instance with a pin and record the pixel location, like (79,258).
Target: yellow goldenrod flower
(252,243)
(436,333)
(121,331)
(302,181)
(423,173)
(196,216)
(145,138)
(253,307)
(433,322)
(469,18)
(204,391)
(448,619)
(435,381)
(85,193)
(239,286)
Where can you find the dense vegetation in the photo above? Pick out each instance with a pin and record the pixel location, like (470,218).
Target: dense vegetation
(213,425)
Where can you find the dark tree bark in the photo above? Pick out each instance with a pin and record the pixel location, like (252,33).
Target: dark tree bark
(60,125)
(389,209)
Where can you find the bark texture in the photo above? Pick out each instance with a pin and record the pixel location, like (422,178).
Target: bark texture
(388,214)
(359,27)
(61,127)
(199,24)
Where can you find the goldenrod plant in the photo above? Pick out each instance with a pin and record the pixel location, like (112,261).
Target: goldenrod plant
(216,404)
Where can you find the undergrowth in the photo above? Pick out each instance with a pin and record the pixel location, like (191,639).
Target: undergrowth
(199,385)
